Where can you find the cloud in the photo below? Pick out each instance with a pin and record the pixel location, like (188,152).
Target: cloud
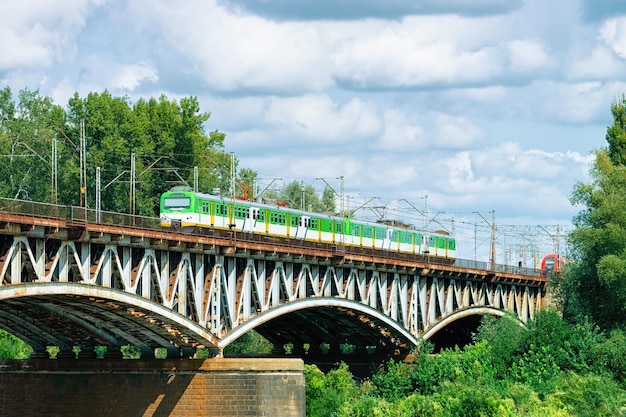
(613,33)
(37,33)
(601,64)
(320,119)
(527,56)
(236,52)
(506,168)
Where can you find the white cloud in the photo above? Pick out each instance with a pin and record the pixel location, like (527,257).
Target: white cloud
(613,33)
(417,52)
(319,118)
(600,64)
(129,77)
(400,134)
(233,51)
(38,32)
(527,56)
(455,131)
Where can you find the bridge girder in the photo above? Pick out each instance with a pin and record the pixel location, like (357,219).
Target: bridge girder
(213,289)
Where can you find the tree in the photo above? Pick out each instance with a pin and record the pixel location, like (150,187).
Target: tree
(251,343)
(27,131)
(167,138)
(593,284)
(13,348)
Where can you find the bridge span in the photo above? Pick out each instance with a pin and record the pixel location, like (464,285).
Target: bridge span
(68,280)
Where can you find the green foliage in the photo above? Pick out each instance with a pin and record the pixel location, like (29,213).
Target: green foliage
(13,348)
(505,336)
(588,395)
(593,285)
(610,355)
(27,129)
(168,140)
(395,382)
(616,134)
(546,368)
(248,344)
(328,394)
(130,352)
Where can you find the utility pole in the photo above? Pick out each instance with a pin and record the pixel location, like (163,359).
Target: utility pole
(132,183)
(83,166)
(195,179)
(54,176)
(341,198)
(493,240)
(232,175)
(492,259)
(98,192)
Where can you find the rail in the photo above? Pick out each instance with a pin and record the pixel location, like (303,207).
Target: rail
(85,215)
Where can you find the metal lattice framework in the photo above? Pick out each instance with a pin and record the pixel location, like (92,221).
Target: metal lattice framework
(69,284)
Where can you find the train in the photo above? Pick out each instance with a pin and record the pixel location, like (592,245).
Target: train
(182,208)
(551,264)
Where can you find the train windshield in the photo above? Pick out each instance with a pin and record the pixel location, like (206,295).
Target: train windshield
(176,203)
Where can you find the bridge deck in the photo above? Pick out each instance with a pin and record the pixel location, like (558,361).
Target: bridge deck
(207,287)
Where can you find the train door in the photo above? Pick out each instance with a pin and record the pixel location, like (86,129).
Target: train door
(250,221)
(425,249)
(304,222)
(388,239)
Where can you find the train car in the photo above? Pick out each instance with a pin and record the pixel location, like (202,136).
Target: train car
(551,264)
(182,208)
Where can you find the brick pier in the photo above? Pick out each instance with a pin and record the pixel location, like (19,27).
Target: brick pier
(164,388)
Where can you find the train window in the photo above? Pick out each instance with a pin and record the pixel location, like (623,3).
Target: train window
(442,243)
(313,224)
(295,220)
(338,227)
(261,216)
(277,218)
(221,209)
(451,244)
(380,233)
(367,231)
(241,212)
(356,230)
(205,206)
(176,203)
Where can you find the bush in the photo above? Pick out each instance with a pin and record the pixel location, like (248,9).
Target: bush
(327,394)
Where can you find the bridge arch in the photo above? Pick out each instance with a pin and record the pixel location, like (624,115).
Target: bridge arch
(463,314)
(363,322)
(67,314)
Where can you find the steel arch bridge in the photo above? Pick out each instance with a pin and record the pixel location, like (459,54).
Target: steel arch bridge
(67,281)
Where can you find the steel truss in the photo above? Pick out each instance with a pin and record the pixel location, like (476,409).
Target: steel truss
(222,292)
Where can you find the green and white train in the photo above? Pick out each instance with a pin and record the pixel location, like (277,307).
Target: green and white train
(182,208)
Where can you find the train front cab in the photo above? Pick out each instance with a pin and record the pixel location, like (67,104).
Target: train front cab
(551,264)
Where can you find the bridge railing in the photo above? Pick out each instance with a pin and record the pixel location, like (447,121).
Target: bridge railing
(76,214)
(32,208)
(81,214)
(86,215)
(482,265)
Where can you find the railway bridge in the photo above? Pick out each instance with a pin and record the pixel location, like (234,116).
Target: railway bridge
(67,280)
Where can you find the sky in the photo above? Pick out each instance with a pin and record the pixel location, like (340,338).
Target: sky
(452,114)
